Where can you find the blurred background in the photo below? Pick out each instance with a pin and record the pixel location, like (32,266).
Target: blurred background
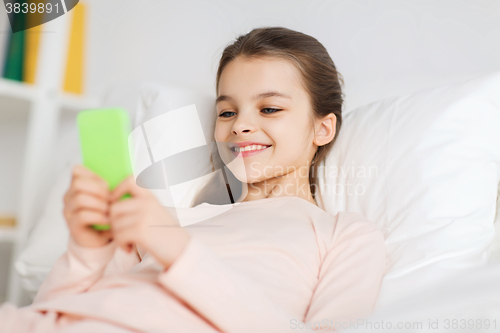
(100,52)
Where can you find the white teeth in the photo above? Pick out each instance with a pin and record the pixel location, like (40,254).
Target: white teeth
(250,147)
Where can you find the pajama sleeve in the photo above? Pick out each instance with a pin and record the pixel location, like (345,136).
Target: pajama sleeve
(221,294)
(80,267)
(350,276)
(348,286)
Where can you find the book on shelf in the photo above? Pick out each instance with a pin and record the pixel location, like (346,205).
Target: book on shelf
(7,220)
(19,52)
(31,44)
(4,37)
(14,58)
(73,76)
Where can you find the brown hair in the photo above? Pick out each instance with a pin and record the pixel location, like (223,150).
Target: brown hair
(319,75)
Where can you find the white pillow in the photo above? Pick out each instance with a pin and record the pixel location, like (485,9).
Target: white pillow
(425,167)
(495,246)
(172,141)
(49,237)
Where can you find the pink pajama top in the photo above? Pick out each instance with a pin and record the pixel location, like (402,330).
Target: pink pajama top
(278,264)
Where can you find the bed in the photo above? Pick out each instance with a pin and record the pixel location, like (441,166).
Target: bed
(425,167)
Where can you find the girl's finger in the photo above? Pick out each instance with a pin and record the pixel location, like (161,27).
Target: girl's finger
(123,223)
(85,218)
(125,238)
(124,207)
(82,171)
(129,186)
(84,200)
(89,187)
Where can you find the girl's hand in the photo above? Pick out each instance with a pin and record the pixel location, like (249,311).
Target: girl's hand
(142,220)
(86,203)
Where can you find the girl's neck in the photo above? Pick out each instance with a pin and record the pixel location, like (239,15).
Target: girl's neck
(290,184)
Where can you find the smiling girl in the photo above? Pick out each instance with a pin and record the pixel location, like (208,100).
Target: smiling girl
(266,114)
(273,261)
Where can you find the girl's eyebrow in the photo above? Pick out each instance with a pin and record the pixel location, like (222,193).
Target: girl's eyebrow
(259,96)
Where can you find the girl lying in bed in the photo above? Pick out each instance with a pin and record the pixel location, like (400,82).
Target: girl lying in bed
(273,262)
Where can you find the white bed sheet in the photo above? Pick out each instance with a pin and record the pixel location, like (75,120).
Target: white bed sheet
(466,302)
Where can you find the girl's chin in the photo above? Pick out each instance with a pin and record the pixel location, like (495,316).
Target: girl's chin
(246,178)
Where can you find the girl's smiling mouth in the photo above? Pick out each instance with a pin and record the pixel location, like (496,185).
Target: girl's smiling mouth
(245,149)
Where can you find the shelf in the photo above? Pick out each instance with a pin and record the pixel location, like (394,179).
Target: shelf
(30,123)
(8,234)
(16,89)
(14,95)
(72,102)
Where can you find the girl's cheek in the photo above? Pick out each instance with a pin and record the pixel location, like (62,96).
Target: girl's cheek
(221,132)
(217,133)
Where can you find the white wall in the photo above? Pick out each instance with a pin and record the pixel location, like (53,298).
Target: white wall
(381,47)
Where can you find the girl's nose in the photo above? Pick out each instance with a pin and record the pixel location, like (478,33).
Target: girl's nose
(243,131)
(243,124)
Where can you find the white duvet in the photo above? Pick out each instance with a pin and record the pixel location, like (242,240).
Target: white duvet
(465,302)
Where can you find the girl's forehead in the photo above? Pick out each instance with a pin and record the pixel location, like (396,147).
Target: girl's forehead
(251,75)
(263,64)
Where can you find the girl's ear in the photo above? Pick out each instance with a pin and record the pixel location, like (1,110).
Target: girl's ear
(325,130)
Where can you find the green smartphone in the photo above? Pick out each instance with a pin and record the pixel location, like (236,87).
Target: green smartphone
(104,144)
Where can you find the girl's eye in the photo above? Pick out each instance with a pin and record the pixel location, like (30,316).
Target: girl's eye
(227,114)
(222,114)
(271,109)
